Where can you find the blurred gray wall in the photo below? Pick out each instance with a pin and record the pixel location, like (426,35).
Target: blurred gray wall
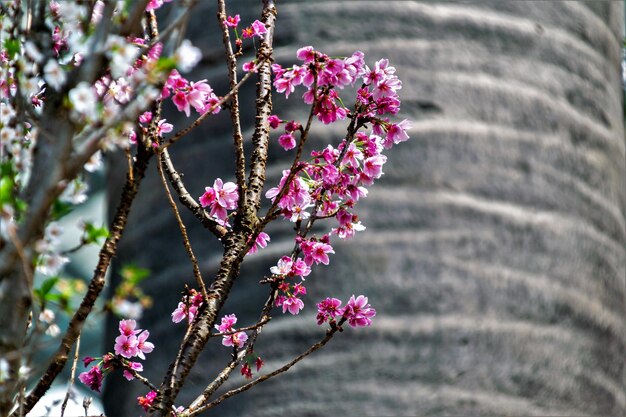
(495,243)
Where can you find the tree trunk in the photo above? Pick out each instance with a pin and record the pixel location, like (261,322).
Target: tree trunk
(495,243)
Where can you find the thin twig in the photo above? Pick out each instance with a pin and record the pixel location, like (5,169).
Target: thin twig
(203,116)
(240,159)
(186,199)
(243,329)
(329,334)
(183,231)
(72,376)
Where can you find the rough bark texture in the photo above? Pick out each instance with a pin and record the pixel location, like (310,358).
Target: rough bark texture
(495,248)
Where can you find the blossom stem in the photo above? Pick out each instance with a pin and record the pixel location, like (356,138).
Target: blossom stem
(240,159)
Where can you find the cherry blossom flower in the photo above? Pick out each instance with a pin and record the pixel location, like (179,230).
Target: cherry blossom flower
(328,309)
(283,267)
(127,327)
(147,400)
(232,21)
(358,312)
(135,366)
(84,100)
(163,127)
(126,346)
(54,74)
(287,141)
(316,252)
(92,378)
(220,198)
(293,305)
(274,121)
(259,243)
(144,346)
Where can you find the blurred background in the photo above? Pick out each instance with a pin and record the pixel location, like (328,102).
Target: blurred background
(495,243)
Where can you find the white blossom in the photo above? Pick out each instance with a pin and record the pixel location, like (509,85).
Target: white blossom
(84,100)
(54,75)
(187,56)
(51,263)
(94,163)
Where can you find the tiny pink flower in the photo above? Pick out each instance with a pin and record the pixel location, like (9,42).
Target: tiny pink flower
(147,400)
(232,21)
(127,327)
(274,121)
(249,67)
(180,313)
(287,141)
(142,345)
(358,312)
(306,54)
(259,243)
(135,366)
(316,252)
(145,117)
(293,305)
(258,28)
(227,323)
(283,267)
(163,127)
(92,378)
(126,346)
(328,309)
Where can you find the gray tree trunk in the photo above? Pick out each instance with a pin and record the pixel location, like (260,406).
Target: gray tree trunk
(495,243)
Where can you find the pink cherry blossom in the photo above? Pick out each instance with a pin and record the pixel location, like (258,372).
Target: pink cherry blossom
(283,267)
(293,305)
(92,378)
(126,346)
(135,366)
(259,243)
(232,21)
(163,127)
(147,400)
(287,141)
(316,252)
(274,121)
(259,28)
(144,346)
(127,327)
(220,198)
(358,312)
(328,309)
(226,324)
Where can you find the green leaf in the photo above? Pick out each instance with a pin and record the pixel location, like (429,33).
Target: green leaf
(166,64)
(134,274)
(6,189)
(61,209)
(93,234)
(12,46)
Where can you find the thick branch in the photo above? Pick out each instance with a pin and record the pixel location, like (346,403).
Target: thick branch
(260,138)
(186,198)
(131,187)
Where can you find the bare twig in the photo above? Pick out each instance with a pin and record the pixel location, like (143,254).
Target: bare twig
(329,334)
(183,231)
(186,199)
(72,376)
(231,60)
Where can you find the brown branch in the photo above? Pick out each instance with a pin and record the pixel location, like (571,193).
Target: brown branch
(260,138)
(329,334)
(186,199)
(72,376)
(108,250)
(183,232)
(240,164)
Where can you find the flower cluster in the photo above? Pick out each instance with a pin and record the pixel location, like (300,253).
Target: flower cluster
(146,401)
(233,338)
(188,307)
(130,343)
(288,268)
(357,312)
(186,94)
(259,243)
(220,198)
